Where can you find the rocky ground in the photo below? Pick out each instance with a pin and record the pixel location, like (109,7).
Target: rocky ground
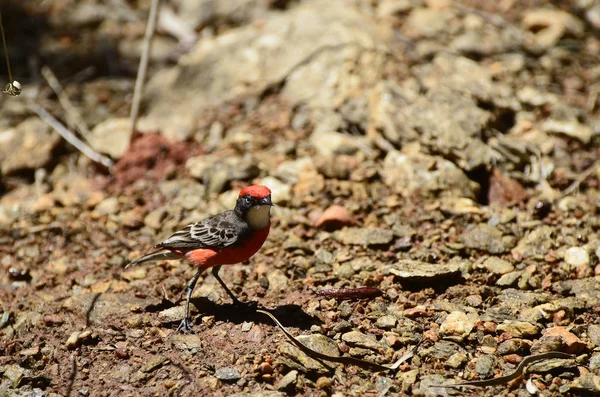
(443,153)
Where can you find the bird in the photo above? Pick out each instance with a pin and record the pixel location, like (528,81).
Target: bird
(231,237)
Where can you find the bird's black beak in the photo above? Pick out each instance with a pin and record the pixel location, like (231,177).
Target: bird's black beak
(266,201)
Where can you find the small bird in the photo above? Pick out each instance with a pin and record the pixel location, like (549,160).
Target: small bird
(228,238)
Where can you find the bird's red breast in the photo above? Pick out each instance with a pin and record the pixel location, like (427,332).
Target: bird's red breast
(205,257)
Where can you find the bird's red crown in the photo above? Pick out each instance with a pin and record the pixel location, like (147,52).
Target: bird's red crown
(257,191)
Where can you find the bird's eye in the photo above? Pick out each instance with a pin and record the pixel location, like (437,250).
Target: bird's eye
(247,199)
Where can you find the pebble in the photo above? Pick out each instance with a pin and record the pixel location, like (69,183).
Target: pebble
(519,329)
(228,374)
(324,383)
(108,206)
(509,279)
(14,374)
(77,338)
(288,382)
(576,256)
(155,218)
(317,342)
(111,136)
(386,322)
(571,342)
(457,326)
(361,340)
(587,384)
(594,334)
(498,266)
(333,218)
(485,238)
(281,192)
(365,236)
(421,271)
(485,365)
(537,242)
(457,360)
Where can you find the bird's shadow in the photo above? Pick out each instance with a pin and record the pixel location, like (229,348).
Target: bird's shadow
(288,315)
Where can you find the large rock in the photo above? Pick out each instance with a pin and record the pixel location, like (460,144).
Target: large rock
(410,173)
(308,46)
(111,136)
(27,146)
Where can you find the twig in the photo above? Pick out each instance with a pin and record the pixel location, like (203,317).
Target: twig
(10,79)
(513,375)
(13,88)
(69,136)
(141,74)
(582,177)
(73,117)
(343,359)
(350,293)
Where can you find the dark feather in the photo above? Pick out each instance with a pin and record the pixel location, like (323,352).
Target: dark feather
(217,232)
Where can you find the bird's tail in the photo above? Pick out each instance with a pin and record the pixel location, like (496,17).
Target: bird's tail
(154,256)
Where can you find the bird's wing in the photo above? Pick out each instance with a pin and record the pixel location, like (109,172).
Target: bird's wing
(217,232)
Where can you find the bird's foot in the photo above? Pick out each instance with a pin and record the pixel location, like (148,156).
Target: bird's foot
(184,326)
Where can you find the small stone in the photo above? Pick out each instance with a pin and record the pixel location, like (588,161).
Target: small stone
(154,364)
(173,314)
(77,338)
(572,343)
(409,173)
(457,326)
(228,374)
(29,145)
(361,340)
(587,384)
(498,266)
(278,281)
(334,218)
(509,279)
(386,322)
(485,364)
(485,238)
(421,271)
(108,206)
(155,218)
(513,346)
(14,374)
(305,363)
(281,192)
(519,329)
(576,256)
(365,236)
(111,136)
(537,242)
(457,360)
(594,334)
(324,383)
(187,341)
(137,273)
(288,382)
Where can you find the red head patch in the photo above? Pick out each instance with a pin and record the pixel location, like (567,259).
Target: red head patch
(257,191)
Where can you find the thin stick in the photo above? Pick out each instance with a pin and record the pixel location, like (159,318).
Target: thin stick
(73,117)
(69,136)
(342,359)
(582,177)
(10,79)
(141,74)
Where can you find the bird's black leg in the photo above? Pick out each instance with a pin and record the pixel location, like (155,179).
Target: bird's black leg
(185,323)
(215,272)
